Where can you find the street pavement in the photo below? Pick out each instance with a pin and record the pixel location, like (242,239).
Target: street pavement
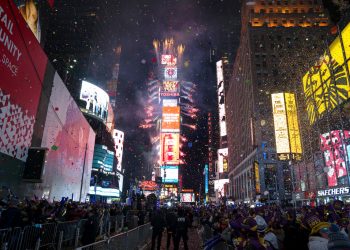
(194,241)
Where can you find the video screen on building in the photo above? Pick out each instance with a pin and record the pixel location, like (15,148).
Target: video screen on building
(103,158)
(170,73)
(168,60)
(221,97)
(170,88)
(171,119)
(335,149)
(96,100)
(170,174)
(222,160)
(187,197)
(326,84)
(170,154)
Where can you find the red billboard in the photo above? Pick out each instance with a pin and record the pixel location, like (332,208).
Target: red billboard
(22,70)
(170,154)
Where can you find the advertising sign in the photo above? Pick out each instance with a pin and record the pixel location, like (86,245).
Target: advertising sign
(257,177)
(103,158)
(170,174)
(222,160)
(170,148)
(333,192)
(219,186)
(96,100)
(170,73)
(170,103)
(170,88)
(22,70)
(187,197)
(221,98)
(111,192)
(280,123)
(171,119)
(333,147)
(206,178)
(293,124)
(326,84)
(168,60)
(30,14)
(148,185)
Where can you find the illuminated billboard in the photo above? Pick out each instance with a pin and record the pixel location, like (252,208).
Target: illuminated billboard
(221,98)
(170,148)
(257,177)
(219,186)
(287,134)
(171,119)
(170,103)
(170,174)
(326,84)
(222,160)
(335,150)
(293,123)
(30,13)
(170,88)
(96,99)
(103,158)
(187,197)
(170,73)
(168,60)
(22,73)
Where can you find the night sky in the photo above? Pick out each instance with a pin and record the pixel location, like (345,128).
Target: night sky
(202,26)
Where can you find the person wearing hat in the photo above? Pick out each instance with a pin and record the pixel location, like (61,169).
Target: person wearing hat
(318,239)
(337,239)
(266,236)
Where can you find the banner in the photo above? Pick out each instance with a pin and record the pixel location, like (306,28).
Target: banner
(22,70)
(171,119)
(170,148)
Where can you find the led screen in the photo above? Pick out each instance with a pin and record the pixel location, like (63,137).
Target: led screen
(326,84)
(280,123)
(96,100)
(334,147)
(221,98)
(171,119)
(111,192)
(170,148)
(103,158)
(219,185)
(169,102)
(168,60)
(170,174)
(170,88)
(293,124)
(222,160)
(170,73)
(187,197)
(22,70)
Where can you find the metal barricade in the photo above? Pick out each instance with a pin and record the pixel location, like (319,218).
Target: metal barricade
(67,234)
(10,238)
(40,235)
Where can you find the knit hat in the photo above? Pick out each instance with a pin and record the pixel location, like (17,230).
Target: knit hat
(337,240)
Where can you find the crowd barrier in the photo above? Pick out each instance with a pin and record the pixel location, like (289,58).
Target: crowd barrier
(136,238)
(60,235)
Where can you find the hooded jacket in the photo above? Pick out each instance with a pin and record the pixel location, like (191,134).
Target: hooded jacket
(317,243)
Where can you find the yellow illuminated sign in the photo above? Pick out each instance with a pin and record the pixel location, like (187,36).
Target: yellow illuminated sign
(293,124)
(257,177)
(280,123)
(326,85)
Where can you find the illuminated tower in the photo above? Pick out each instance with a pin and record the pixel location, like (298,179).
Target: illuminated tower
(278,40)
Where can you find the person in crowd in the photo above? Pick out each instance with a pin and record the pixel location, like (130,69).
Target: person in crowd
(158,224)
(171,220)
(11,217)
(318,239)
(91,227)
(182,225)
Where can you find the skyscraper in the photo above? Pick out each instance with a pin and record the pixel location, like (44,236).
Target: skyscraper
(278,41)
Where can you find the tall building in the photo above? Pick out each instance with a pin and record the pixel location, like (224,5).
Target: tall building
(278,41)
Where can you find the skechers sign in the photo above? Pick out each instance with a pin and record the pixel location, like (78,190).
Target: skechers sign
(333,191)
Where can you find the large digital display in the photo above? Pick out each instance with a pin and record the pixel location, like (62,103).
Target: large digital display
(257,177)
(170,174)
(170,148)
(287,133)
(293,124)
(103,158)
(221,98)
(170,73)
(22,70)
(206,178)
(168,60)
(334,148)
(96,99)
(222,160)
(219,186)
(280,123)
(111,192)
(326,84)
(170,88)
(187,197)
(171,119)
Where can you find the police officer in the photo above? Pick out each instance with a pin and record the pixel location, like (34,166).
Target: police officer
(182,224)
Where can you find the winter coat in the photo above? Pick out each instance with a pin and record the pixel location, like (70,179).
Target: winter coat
(271,238)
(317,243)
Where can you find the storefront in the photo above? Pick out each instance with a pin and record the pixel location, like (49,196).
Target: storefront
(327,195)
